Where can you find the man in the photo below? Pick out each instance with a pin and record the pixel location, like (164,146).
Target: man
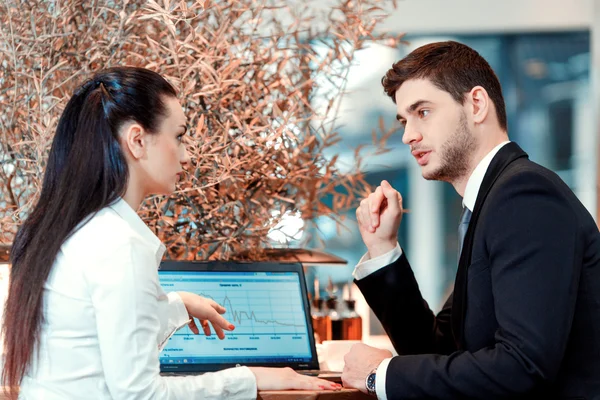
(524,318)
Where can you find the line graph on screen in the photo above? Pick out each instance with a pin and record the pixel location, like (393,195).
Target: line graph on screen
(258,312)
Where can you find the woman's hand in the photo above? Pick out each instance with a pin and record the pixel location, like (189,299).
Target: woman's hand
(205,310)
(287,378)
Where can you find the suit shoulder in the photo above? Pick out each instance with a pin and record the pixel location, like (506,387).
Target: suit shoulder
(525,180)
(531,174)
(531,169)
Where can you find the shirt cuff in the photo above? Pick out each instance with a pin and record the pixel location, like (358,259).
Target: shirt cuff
(366,266)
(178,317)
(179,314)
(380,379)
(239,382)
(231,384)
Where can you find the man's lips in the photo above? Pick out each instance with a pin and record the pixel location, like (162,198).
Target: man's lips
(422,156)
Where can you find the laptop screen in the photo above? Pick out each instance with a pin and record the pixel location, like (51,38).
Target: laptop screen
(266,302)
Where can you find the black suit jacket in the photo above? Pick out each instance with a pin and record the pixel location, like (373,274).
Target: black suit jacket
(524,318)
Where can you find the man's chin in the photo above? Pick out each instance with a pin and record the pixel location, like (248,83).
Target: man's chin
(428,173)
(432,174)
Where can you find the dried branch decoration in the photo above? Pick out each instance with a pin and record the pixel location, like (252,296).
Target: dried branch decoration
(250,75)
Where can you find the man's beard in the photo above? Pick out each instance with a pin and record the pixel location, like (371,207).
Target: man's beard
(455,154)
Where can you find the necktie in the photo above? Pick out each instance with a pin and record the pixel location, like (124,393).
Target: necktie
(465,218)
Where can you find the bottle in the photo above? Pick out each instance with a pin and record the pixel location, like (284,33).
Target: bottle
(335,317)
(320,321)
(351,322)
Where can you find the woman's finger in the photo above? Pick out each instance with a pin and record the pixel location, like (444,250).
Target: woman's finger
(205,327)
(311,383)
(221,322)
(219,308)
(193,327)
(218,331)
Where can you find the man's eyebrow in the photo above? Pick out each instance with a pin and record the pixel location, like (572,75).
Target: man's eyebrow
(410,109)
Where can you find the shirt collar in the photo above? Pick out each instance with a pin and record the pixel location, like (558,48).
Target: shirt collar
(124,210)
(476,178)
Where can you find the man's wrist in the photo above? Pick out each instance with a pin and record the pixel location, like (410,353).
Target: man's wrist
(380,249)
(370,382)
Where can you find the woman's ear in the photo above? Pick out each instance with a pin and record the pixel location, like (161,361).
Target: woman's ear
(134,140)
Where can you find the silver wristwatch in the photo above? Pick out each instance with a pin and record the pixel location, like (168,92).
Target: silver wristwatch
(370,382)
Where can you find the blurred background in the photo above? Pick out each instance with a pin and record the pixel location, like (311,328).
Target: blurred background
(545,53)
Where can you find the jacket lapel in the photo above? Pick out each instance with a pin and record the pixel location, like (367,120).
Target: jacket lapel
(507,154)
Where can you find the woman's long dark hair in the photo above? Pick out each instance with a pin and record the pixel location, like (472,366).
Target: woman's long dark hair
(86,171)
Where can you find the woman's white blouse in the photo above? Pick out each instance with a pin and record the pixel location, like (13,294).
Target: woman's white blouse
(106,318)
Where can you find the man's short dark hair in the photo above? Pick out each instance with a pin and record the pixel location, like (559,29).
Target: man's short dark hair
(452,67)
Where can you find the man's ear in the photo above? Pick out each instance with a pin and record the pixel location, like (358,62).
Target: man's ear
(480,104)
(134,140)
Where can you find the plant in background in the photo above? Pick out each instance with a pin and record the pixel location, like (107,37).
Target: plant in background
(261,83)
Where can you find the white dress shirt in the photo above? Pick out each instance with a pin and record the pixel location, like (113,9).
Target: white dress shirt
(367,266)
(106,317)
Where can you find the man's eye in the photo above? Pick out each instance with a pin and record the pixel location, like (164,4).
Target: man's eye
(423,113)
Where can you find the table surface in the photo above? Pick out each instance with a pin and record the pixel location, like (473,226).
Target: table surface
(344,394)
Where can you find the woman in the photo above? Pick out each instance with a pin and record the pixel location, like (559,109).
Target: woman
(86,316)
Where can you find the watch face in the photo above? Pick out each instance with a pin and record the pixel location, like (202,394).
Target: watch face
(371,382)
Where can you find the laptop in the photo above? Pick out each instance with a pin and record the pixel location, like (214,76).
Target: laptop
(268,304)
